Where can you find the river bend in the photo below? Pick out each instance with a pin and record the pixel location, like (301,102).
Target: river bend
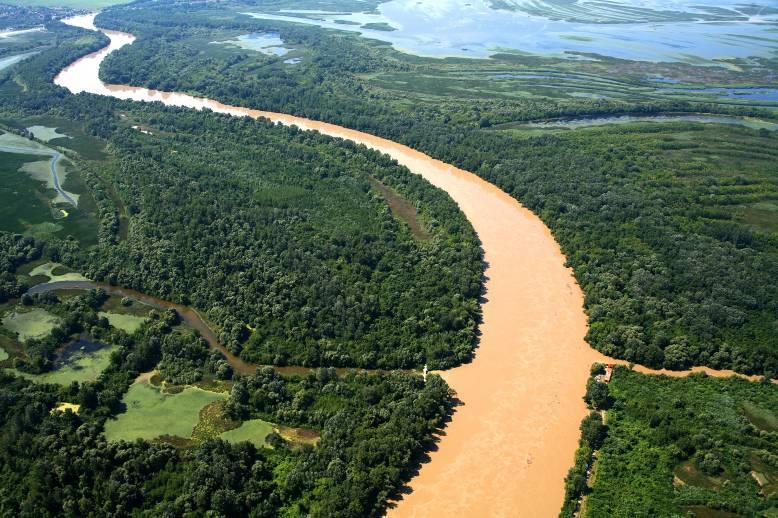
(508,447)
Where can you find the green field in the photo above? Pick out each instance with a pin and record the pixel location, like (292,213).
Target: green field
(33,323)
(254,431)
(80,367)
(152,413)
(46,133)
(25,205)
(129,323)
(56,272)
(76,139)
(129,317)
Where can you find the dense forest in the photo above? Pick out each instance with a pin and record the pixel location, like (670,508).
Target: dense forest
(232,216)
(59,461)
(295,263)
(15,250)
(674,445)
(277,235)
(677,260)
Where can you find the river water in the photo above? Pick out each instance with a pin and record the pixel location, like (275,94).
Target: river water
(509,445)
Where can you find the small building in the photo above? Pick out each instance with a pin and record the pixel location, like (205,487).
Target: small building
(606,377)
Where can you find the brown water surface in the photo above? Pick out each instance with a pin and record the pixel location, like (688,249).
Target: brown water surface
(508,447)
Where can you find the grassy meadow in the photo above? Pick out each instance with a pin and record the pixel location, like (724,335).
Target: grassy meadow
(55,272)
(128,323)
(254,431)
(30,323)
(152,413)
(80,366)
(28,203)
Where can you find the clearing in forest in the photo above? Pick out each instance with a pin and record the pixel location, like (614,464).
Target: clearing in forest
(30,323)
(152,413)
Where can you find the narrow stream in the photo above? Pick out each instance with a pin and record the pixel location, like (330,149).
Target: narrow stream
(188,315)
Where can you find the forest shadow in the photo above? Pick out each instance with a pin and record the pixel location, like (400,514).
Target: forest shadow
(422,458)
(479,319)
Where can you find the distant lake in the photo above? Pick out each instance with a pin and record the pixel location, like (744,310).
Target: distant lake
(656,30)
(269,43)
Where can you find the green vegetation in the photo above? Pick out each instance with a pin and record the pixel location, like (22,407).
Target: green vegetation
(152,413)
(79,365)
(402,209)
(15,250)
(670,228)
(30,205)
(696,444)
(128,323)
(55,272)
(291,479)
(593,432)
(46,133)
(312,260)
(353,412)
(30,323)
(254,431)
(382,26)
(303,250)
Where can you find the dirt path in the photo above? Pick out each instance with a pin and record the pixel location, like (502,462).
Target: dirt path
(508,447)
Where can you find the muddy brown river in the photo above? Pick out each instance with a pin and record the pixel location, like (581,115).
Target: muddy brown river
(509,445)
